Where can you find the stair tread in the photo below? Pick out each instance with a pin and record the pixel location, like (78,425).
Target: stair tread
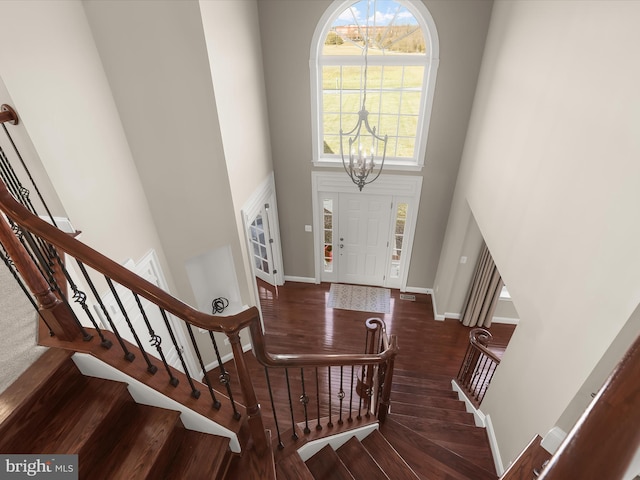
(24,405)
(136,447)
(428,400)
(292,467)
(468,441)
(359,461)
(73,422)
(419,411)
(326,465)
(387,457)
(429,459)
(199,455)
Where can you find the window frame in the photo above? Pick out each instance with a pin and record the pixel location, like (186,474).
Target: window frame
(430,62)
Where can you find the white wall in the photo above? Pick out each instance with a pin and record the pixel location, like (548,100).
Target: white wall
(238,82)
(52,71)
(551,174)
(155,57)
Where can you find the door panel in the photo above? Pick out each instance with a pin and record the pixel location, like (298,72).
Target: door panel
(363,244)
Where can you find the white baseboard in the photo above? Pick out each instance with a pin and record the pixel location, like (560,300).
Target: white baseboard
(505,320)
(455,316)
(425,291)
(493,443)
(288,278)
(483,421)
(436,315)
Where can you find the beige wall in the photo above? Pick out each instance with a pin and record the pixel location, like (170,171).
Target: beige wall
(52,71)
(551,173)
(238,83)
(155,58)
(287,28)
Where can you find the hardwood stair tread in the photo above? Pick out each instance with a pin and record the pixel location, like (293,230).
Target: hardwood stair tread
(443,414)
(292,467)
(137,445)
(359,461)
(422,382)
(467,441)
(72,423)
(428,400)
(387,457)
(198,455)
(326,465)
(428,459)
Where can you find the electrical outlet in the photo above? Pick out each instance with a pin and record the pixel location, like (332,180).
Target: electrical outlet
(307,228)
(463,259)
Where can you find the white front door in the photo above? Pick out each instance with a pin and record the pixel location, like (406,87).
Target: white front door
(363,238)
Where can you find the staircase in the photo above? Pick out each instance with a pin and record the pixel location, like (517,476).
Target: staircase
(427,435)
(53,408)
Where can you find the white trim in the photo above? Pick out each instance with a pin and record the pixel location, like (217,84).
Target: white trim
(405,187)
(552,440)
(436,315)
(145,395)
(493,443)
(455,316)
(478,416)
(482,421)
(506,320)
(308,450)
(290,278)
(425,291)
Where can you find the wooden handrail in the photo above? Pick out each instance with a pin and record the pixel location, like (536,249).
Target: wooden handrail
(479,338)
(606,437)
(99,262)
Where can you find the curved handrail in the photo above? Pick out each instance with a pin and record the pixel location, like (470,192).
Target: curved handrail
(87,255)
(230,324)
(479,338)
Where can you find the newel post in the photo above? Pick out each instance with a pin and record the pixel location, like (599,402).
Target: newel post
(385,401)
(254,415)
(55,312)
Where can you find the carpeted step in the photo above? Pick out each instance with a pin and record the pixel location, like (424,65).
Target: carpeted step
(359,461)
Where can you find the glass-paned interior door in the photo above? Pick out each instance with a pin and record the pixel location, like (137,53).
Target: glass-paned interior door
(261,247)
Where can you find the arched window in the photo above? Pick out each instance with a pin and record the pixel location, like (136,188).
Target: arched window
(400,68)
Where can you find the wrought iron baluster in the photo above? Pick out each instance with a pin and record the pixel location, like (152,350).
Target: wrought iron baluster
(195,393)
(129,356)
(318,426)
(24,165)
(14,272)
(273,407)
(341,395)
(304,400)
(293,422)
(225,378)
(330,424)
(350,419)
(216,402)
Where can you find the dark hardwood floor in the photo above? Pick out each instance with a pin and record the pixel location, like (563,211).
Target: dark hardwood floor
(297,320)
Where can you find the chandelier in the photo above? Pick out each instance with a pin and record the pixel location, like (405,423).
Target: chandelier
(360,161)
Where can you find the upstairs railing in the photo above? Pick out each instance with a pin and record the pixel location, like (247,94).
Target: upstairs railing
(56,270)
(478,366)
